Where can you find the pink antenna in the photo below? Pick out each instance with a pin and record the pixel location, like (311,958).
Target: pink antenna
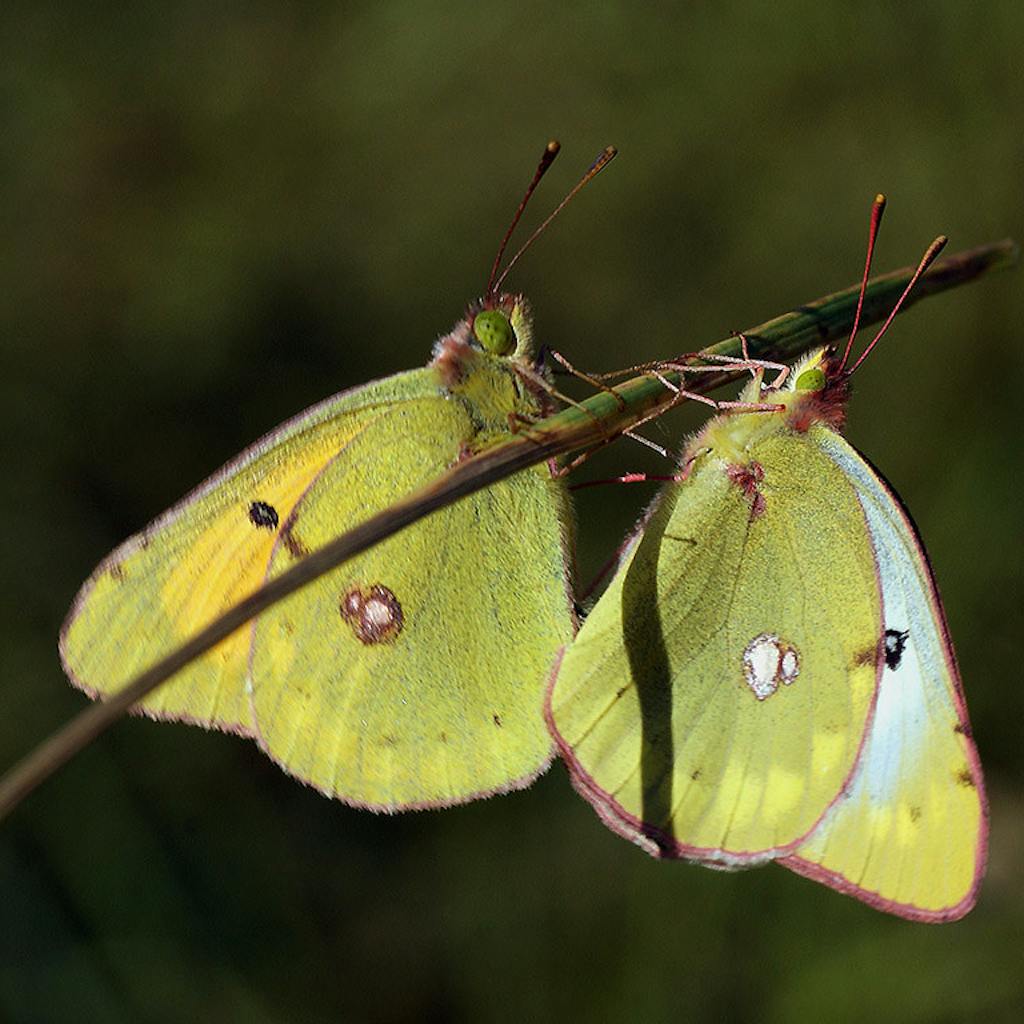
(877,209)
(546,160)
(602,161)
(927,259)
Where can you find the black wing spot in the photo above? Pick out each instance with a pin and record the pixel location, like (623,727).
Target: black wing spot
(696,774)
(895,641)
(496,718)
(263,515)
(965,778)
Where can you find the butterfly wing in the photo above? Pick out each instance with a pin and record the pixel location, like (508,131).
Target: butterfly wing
(208,551)
(413,675)
(714,702)
(910,834)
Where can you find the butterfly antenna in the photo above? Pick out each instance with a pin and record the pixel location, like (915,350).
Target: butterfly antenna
(602,161)
(546,160)
(927,259)
(877,209)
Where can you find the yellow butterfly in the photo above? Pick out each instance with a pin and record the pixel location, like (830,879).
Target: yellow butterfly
(411,676)
(769,675)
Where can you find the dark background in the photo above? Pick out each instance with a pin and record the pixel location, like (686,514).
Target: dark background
(214,215)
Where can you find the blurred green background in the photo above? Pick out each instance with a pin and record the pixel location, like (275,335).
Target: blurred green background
(214,215)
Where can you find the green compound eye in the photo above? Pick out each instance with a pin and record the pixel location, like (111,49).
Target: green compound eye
(494,332)
(811,380)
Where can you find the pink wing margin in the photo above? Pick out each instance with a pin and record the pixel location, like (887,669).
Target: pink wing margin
(815,871)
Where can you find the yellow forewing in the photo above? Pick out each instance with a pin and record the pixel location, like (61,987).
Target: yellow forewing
(446,703)
(910,834)
(653,706)
(161,586)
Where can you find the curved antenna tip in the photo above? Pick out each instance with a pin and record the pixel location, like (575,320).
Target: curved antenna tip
(927,259)
(546,160)
(602,161)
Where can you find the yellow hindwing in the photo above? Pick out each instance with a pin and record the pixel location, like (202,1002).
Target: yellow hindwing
(655,704)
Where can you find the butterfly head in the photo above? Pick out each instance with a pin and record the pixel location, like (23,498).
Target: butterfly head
(502,326)
(499,327)
(811,373)
(818,386)
(816,389)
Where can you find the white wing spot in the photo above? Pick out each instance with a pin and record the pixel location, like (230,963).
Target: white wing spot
(377,613)
(767,661)
(790,665)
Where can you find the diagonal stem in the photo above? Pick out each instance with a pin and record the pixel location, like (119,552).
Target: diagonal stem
(598,419)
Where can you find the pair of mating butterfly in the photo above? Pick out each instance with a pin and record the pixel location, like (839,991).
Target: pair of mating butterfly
(768,675)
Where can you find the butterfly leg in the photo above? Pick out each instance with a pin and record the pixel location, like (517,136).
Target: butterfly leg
(683,368)
(763,364)
(516,420)
(594,380)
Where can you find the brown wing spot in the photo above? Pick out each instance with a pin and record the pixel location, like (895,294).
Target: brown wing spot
(915,813)
(290,539)
(389,740)
(496,718)
(965,778)
(869,656)
(963,729)
(444,737)
(373,612)
(696,774)
(263,515)
(117,572)
(295,546)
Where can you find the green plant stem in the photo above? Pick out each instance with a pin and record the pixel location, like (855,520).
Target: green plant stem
(596,421)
